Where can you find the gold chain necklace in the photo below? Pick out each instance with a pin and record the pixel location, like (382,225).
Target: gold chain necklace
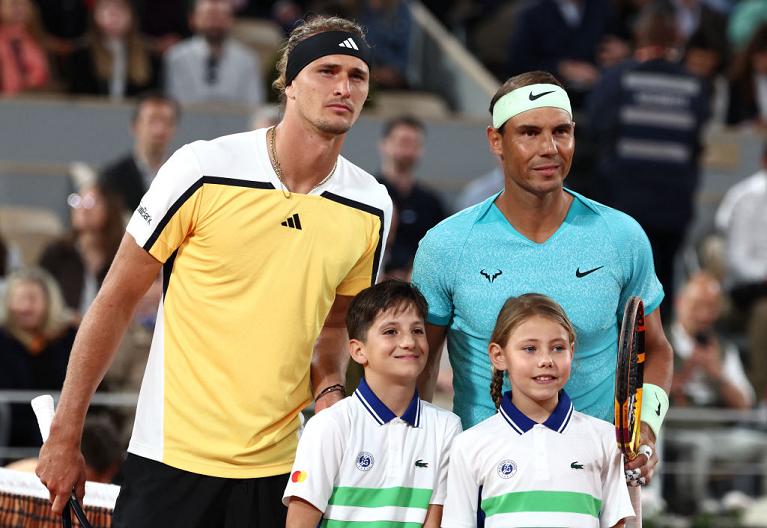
(270,134)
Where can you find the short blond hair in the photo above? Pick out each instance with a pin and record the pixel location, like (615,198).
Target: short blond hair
(310,26)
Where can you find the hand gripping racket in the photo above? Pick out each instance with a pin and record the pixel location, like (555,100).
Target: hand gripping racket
(628,391)
(43,407)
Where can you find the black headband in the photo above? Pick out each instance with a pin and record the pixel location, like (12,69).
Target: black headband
(322,44)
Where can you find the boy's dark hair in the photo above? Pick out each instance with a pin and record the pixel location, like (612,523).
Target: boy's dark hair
(370,302)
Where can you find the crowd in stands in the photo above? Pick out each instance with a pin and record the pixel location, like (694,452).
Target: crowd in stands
(644,83)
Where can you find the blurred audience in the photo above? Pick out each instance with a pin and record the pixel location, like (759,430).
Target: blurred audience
(36,337)
(748,83)
(480,189)
(707,370)
(165,23)
(154,123)
(707,373)
(113,58)
(212,66)
(745,18)
(388,25)
(418,207)
(80,261)
(566,38)
(23,59)
(647,116)
(742,220)
(65,22)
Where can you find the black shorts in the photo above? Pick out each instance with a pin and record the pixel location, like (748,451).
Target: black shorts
(154,494)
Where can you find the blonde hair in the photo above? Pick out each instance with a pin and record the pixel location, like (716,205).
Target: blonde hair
(311,26)
(57,316)
(515,311)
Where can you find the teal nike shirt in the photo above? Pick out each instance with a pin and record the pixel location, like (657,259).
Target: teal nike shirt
(469,264)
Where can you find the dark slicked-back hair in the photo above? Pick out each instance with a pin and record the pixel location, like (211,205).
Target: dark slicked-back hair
(518,81)
(155,97)
(404,120)
(371,302)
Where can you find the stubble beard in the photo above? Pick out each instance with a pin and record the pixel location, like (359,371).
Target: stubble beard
(336,129)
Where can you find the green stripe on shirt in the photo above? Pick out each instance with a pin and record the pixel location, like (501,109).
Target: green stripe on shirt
(543,501)
(329,523)
(378,497)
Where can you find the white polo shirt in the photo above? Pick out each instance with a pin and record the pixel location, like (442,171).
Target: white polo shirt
(566,472)
(357,461)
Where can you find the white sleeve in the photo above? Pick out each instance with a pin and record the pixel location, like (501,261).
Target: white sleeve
(318,458)
(440,486)
(742,253)
(167,212)
(462,489)
(616,503)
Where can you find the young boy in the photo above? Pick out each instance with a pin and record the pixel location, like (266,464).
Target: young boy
(380,455)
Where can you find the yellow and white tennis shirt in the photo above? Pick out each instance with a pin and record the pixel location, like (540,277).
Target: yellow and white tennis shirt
(249,277)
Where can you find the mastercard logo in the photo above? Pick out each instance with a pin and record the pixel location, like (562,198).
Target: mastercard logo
(298,476)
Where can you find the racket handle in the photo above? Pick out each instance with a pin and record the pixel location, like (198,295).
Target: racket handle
(43,407)
(635,493)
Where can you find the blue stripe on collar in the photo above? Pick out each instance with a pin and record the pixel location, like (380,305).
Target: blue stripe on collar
(558,420)
(381,413)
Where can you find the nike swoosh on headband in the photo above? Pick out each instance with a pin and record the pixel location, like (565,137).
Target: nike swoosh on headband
(538,96)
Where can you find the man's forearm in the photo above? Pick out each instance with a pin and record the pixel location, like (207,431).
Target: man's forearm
(330,360)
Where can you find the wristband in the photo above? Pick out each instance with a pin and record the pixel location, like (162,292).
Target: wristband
(654,406)
(333,388)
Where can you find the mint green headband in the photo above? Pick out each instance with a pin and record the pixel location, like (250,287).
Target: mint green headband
(529,97)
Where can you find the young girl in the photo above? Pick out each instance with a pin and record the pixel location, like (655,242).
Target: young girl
(538,462)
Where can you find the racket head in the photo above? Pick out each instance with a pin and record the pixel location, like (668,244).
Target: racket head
(629,377)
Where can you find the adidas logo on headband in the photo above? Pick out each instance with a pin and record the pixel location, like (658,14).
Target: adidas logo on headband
(322,44)
(348,43)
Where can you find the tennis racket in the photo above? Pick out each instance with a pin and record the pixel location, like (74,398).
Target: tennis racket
(43,407)
(628,391)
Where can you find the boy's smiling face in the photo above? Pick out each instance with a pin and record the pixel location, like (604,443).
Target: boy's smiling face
(395,348)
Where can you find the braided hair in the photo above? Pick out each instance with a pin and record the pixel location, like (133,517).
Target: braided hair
(515,311)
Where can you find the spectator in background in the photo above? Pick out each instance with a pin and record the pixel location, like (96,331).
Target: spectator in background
(745,19)
(35,339)
(480,189)
(388,25)
(564,38)
(153,127)
(707,373)
(113,59)
(748,83)
(65,21)
(742,220)
(646,115)
(165,22)
(80,261)
(418,208)
(23,60)
(212,66)
(103,449)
